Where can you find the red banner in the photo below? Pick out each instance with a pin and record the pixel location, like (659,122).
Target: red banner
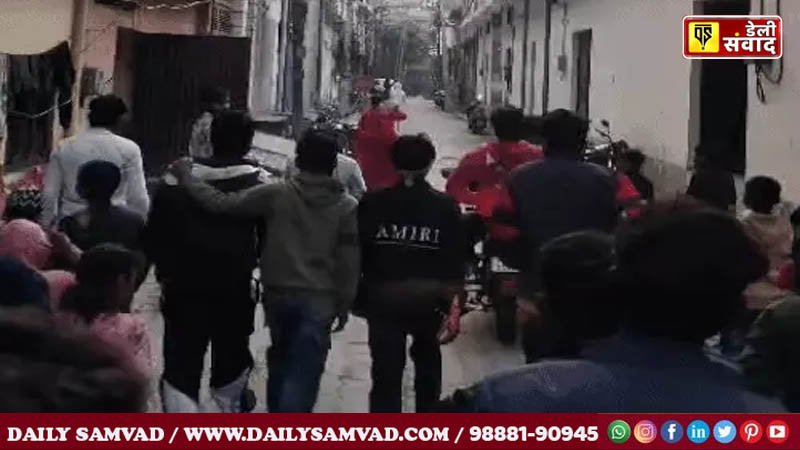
(732,37)
(410,431)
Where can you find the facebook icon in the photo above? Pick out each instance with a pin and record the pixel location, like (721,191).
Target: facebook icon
(671,432)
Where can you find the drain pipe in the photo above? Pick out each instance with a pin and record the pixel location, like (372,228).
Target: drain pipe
(548,29)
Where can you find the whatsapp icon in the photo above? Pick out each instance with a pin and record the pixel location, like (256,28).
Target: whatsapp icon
(619,432)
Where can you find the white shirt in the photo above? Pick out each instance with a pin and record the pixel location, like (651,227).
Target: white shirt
(60,198)
(347,171)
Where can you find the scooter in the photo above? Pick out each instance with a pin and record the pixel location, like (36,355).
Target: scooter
(477,116)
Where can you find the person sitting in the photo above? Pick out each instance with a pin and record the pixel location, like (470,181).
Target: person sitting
(28,243)
(578,305)
(50,367)
(204,262)
(21,286)
(102,222)
(767,222)
(680,276)
(630,163)
(101,301)
(23,204)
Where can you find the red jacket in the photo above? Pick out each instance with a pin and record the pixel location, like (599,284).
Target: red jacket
(377,131)
(480,179)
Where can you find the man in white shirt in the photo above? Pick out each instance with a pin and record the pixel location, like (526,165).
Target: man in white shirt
(60,198)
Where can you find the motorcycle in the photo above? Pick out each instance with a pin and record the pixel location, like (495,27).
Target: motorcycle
(439,98)
(606,152)
(489,284)
(330,120)
(477,116)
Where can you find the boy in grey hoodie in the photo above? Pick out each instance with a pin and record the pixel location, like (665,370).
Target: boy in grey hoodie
(309,264)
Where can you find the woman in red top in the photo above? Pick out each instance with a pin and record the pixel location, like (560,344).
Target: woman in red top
(377,131)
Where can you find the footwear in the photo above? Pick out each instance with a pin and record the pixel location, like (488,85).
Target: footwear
(175,401)
(235,397)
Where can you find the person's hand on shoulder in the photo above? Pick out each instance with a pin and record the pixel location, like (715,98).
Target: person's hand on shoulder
(181,169)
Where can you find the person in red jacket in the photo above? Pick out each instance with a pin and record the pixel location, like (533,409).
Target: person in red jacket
(377,132)
(479,179)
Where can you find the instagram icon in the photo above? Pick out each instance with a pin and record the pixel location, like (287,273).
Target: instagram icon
(645,432)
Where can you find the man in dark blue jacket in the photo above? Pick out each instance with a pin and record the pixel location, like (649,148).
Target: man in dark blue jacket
(205,265)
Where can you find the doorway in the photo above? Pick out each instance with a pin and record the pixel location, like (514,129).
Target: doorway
(582,49)
(723,98)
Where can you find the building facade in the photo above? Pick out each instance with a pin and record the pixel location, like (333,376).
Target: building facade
(621,60)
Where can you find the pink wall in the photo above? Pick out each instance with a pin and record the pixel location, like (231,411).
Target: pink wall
(101,33)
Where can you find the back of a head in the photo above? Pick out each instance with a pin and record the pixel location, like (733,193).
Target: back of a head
(214,97)
(762,194)
(532,129)
(21,286)
(375,100)
(565,134)
(24,204)
(413,155)
(48,367)
(97,181)
(576,275)
(232,134)
(97,273)
(317,153)
(507,123)
(682,269)
(105,111)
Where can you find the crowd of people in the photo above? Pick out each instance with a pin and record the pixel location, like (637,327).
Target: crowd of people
(619,297)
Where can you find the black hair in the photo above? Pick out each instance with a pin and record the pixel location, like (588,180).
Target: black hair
(532,129)
(761,194)
(565,134)
(24,204)
(232,134)
(97,181)
(98,271)
(682,269)
(22,286)
(634,157)
(576,277)
(413,153)
(317,153)
(375,100)
(214,96)
(47,366)
(507,123)
(106,110)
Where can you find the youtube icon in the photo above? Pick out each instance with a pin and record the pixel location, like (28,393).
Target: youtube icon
(778,432)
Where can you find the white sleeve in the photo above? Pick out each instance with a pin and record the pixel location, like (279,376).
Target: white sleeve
(137,198)
(51,193)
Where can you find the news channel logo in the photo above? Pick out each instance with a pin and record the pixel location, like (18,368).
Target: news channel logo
(724,432)
(619,431)
(645,432)
(671,432)
(698,432)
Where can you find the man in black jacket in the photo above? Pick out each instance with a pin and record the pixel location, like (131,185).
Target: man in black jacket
(412,246)
(205,264)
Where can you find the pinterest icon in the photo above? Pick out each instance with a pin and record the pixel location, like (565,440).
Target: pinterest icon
(751,432)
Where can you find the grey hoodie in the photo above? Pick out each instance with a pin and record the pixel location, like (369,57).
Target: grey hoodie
(312,232)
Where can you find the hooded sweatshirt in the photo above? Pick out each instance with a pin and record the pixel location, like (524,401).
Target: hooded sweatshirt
(194,248)
(311,240)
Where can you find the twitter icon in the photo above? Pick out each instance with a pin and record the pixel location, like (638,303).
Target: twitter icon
(724,432)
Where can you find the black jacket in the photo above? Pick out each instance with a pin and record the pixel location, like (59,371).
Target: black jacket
(196,250)
(410,233)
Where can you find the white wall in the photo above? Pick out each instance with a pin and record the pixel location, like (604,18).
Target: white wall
(265,64)
(640,80)
(773,134)
(33,26)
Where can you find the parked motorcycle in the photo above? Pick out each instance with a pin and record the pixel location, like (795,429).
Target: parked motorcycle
(329,119)
(477,116)
(606,152)
(488,283)
(439,98)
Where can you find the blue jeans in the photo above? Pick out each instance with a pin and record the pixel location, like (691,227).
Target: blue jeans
(300,327)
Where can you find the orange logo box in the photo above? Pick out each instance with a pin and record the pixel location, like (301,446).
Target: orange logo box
(732,37)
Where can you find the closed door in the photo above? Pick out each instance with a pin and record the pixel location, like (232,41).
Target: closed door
(582,76)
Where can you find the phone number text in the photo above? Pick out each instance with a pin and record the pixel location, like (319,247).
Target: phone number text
(534,434)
